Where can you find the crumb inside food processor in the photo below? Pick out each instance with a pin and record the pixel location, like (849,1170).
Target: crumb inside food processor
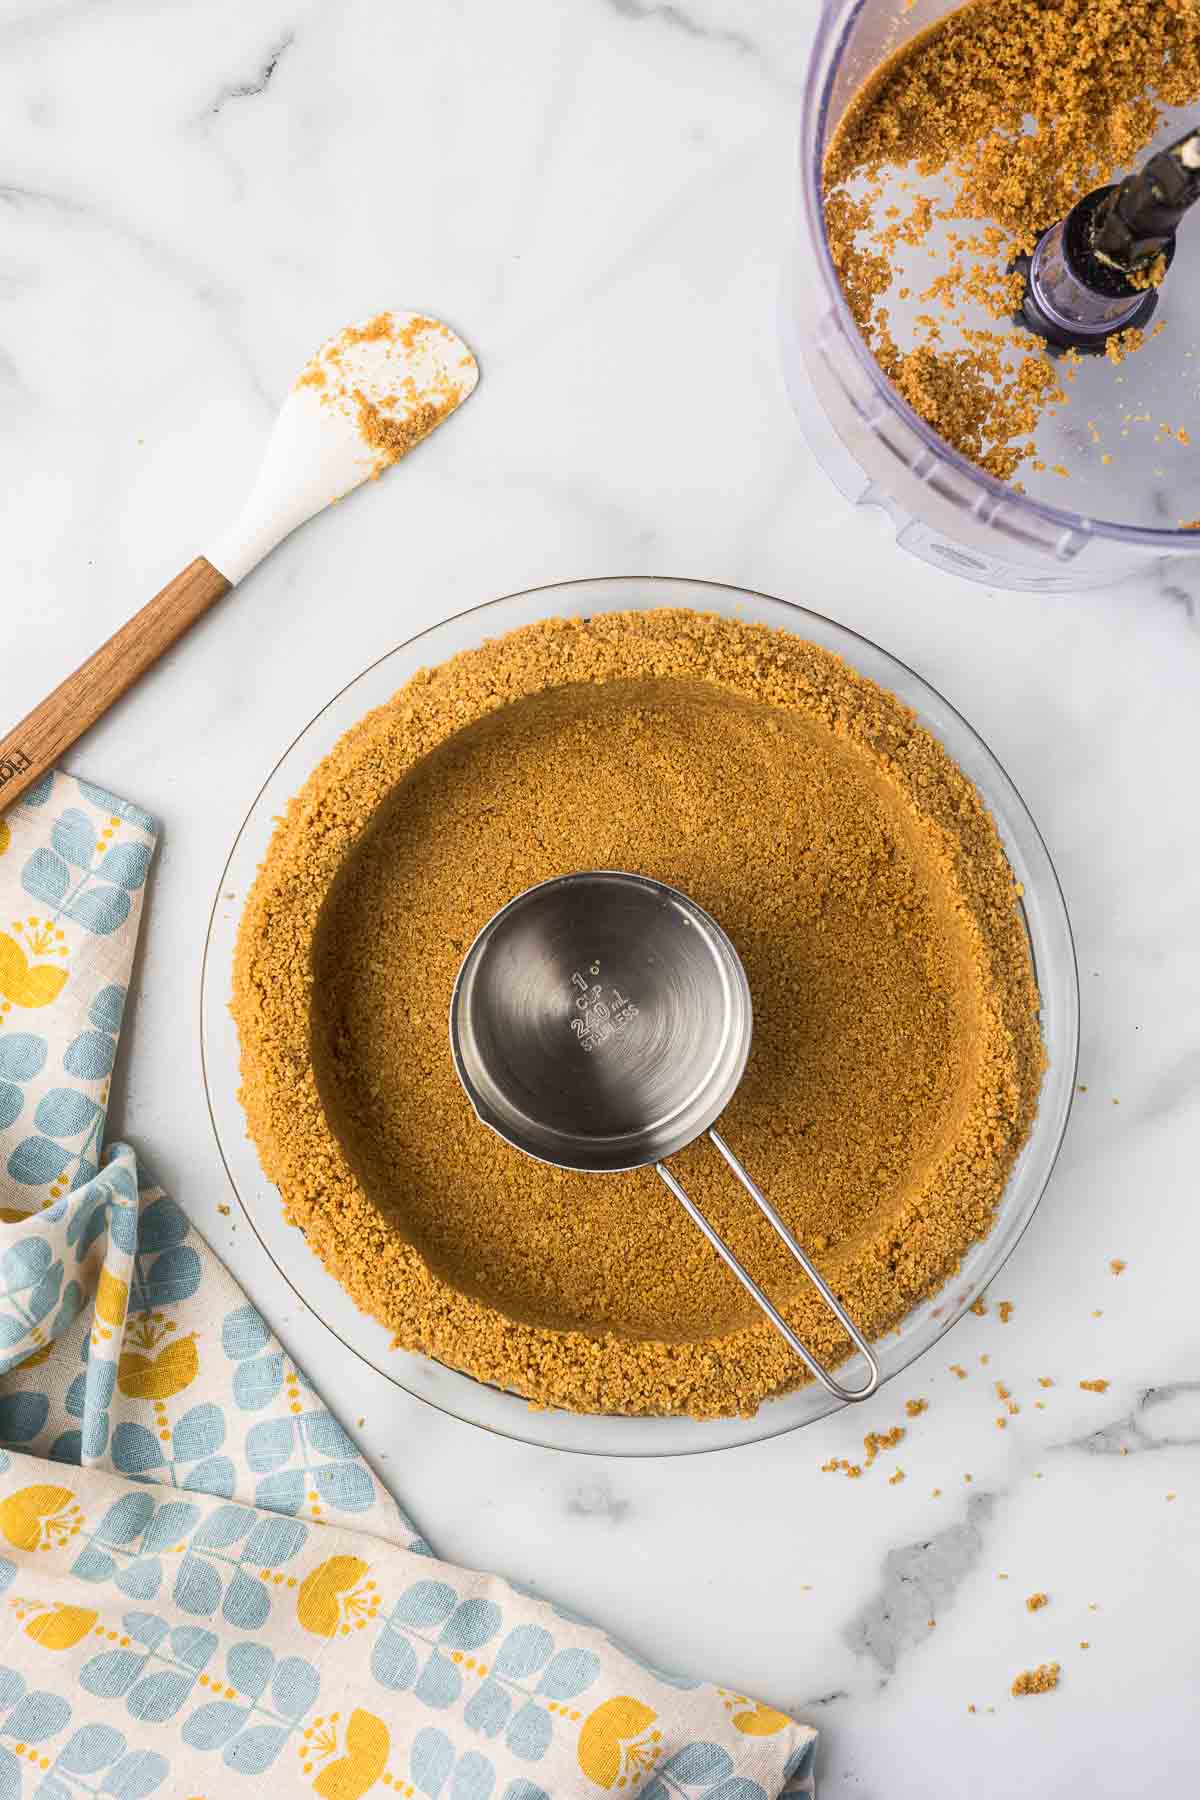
(951,161)
(896,1058)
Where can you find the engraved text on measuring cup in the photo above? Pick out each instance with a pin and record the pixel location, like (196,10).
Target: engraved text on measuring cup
(599,1013)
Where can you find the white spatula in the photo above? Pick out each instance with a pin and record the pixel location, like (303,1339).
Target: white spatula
(365,398)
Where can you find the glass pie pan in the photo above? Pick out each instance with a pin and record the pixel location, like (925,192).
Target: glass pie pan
(493,1408)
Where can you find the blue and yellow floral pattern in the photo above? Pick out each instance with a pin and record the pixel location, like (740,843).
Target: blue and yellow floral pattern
(203,1587)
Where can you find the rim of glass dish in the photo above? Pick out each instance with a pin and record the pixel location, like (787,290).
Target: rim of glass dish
(815,109)
(407,1370)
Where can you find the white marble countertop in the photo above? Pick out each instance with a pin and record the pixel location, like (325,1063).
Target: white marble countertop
(597,193)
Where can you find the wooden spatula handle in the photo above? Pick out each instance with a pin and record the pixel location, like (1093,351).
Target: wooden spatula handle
(40,739)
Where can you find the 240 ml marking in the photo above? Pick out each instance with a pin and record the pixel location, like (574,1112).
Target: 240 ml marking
(597,1018)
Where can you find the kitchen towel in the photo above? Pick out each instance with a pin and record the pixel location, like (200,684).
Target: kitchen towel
(203,1587)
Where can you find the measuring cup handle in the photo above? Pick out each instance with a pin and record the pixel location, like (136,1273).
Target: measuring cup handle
(815,1368)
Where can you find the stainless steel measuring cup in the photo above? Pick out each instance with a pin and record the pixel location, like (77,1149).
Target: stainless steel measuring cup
(601,1022)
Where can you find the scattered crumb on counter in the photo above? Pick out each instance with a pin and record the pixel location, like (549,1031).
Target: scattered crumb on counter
(898,1477)
(1002,1423)
(1118,1265)
(1084,1644)
(957,1369)
(1098,1386)
(1172,1496)
(1006,1309)
(985,1358)
(875,1441)
(224,1211)
(914,1408)
(1002,1392)
(1097,1312)
(968,1478)
(979,1307)
(970,1709)
(1037,1681)
(1002,1575)
(935,1493)
(1045,1381)
(1035,1602)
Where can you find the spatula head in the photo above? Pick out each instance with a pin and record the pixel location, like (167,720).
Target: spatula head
(358,405)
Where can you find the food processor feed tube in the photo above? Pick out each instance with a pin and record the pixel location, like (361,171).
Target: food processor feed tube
(1112,489)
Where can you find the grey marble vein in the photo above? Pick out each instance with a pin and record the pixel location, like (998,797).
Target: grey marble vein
(195,282)
(806,1705)
(1134,1434)
(155,250)
(257,84)
(1169,580)
(1180,1085)
(680,20)
(919,1583)
(14,195)
(10,375)
(596,1500)
(40,21)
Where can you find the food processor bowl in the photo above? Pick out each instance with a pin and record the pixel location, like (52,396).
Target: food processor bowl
(1122,436)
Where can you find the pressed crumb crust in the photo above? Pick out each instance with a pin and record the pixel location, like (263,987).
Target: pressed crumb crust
(897,1055)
